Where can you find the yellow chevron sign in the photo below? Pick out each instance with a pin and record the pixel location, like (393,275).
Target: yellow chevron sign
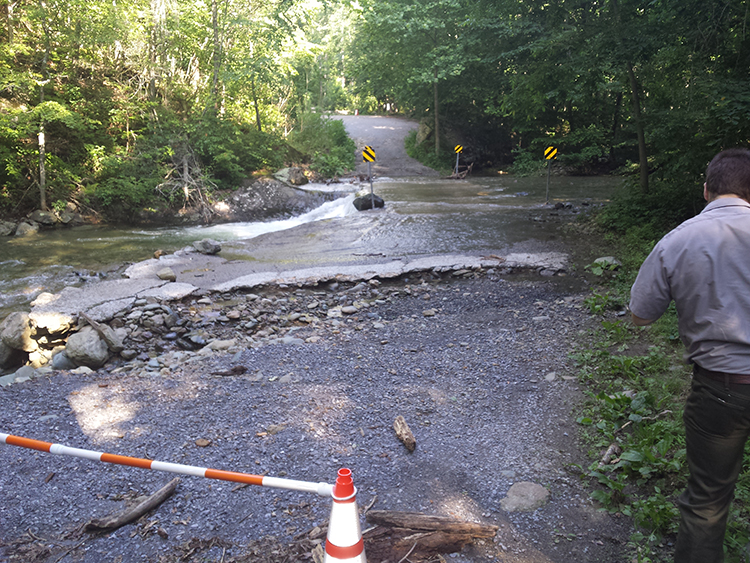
(550,153)
(368,155)
(459,149)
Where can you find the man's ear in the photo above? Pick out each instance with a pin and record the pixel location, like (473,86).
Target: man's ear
(705,192)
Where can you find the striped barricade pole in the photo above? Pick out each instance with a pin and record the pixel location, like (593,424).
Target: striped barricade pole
(344,541)
(323,489)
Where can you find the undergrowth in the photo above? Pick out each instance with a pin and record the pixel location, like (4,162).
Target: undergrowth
(632,419)
(425,153)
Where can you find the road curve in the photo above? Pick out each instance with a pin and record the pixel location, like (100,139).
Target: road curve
(386,136)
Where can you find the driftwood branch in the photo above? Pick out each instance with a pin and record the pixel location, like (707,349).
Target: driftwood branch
(395,535)
(404,433)
(114,521)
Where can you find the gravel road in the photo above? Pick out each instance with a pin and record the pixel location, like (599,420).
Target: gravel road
(386,137)
(476,362)
(476,365)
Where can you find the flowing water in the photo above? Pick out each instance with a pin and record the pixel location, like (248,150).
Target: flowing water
(479,215)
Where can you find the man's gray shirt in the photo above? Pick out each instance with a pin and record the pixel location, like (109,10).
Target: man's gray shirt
(704,265)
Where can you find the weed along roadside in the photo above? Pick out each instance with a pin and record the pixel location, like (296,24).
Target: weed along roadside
(637,384)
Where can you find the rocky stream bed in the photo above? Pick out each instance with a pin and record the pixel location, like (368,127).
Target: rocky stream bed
(297,382)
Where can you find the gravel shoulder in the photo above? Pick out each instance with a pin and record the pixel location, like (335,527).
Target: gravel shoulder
(476,363)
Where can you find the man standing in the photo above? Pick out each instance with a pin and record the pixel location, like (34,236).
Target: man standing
(704,266)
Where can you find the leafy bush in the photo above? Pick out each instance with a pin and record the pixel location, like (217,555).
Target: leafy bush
(425,153)
(647,216)
(527,163)
(325,144)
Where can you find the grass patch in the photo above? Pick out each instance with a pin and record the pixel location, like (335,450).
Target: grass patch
(636,386)
(425,153)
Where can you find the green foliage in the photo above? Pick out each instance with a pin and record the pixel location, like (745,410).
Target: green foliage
(599,304)
(527,162)
(645,217)
(425,153)
(325,143)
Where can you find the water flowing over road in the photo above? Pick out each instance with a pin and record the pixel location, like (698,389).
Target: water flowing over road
(422,217)
(339,322)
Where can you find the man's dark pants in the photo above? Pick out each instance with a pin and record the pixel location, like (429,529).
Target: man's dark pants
(717,423)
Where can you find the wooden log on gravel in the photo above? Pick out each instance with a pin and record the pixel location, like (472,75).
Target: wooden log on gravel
(114,521)
(393,535)
(403,432)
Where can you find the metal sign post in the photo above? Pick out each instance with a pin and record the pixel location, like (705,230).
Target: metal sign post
(550,153)
(368,156)
(458,150)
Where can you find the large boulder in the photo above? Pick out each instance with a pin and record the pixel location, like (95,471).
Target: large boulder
(51,324)
(423,133)
(207,246)
(17,332)
(297,177)
(87,348)
(7,228)
(43,217)
(294,176)
(366,202)
(25,229)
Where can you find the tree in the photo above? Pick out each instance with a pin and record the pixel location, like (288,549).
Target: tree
(408,49)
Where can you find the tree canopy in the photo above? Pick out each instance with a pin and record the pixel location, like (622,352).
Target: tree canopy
(104,102)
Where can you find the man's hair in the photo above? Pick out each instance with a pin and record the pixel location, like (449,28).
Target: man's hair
(729,173)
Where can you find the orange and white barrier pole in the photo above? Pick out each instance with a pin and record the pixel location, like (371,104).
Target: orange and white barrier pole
(344,541)
(322,489)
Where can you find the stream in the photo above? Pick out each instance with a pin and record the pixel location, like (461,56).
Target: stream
(422,216)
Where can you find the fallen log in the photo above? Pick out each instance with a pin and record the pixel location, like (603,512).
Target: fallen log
(114,521)
(393,535)
(404,433)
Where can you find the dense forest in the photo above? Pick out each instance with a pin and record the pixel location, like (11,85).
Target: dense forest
(120,105)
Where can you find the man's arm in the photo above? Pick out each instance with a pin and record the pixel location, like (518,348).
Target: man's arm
(638,321)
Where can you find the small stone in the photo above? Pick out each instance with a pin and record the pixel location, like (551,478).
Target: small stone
(202,443)
(349,310)
(429,313)
(167,274)
(525,497)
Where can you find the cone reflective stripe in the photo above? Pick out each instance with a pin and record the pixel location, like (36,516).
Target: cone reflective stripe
(323,489)
(344,541)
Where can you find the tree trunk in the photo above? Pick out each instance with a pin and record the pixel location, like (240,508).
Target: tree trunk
(615,126)
(42,168)
(185,179)
(642,154)
(255,103)
(8,13)
(217,52)
(437,113)
(41,136)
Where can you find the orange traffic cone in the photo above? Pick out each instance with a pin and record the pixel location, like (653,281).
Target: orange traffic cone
(344,541)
